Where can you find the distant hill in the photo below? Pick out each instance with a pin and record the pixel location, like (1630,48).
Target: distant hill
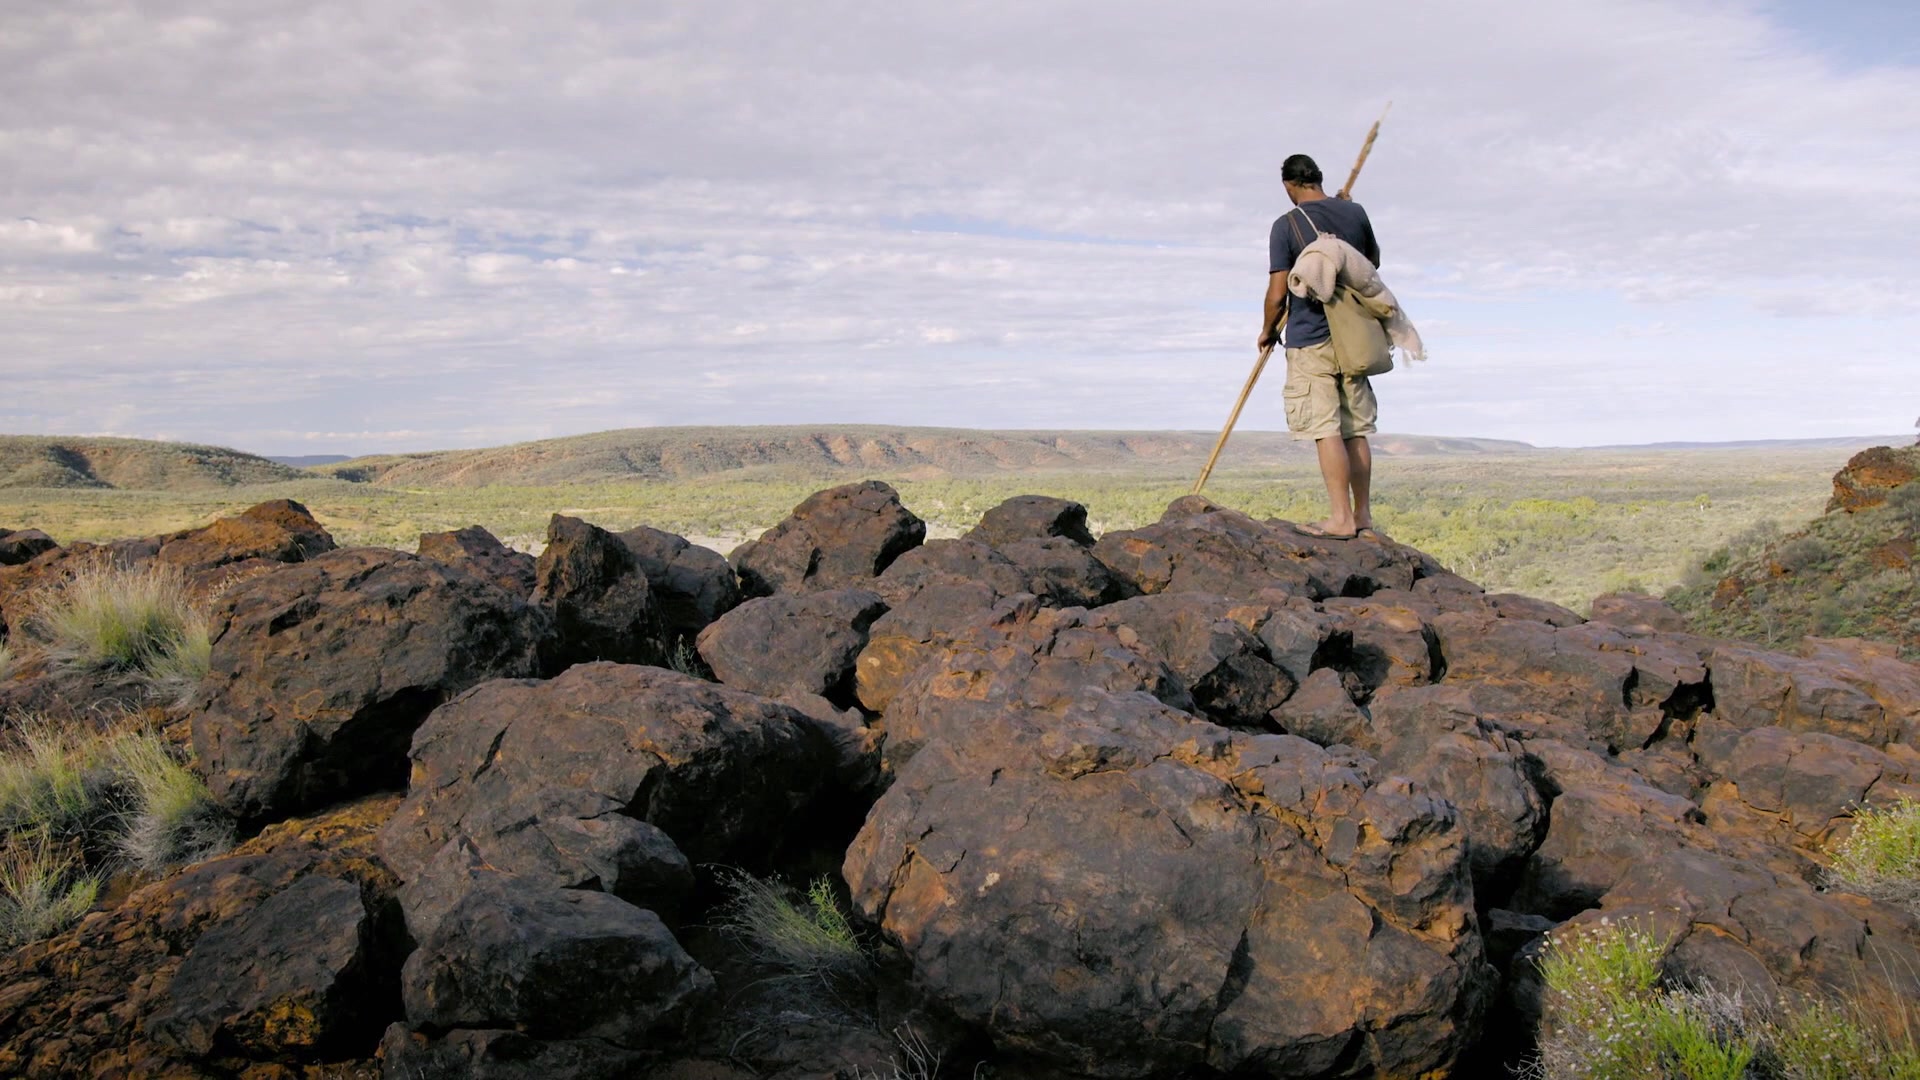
(308,461)
(1836,442)
(1853,572)
(689,452)
(58,461)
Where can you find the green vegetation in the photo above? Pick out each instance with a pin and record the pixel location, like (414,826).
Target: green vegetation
(119,619)
(74,803)
(1563,525)
(1880,857)
(1844,575)
(1609,1018)
(6,659)
(811,937)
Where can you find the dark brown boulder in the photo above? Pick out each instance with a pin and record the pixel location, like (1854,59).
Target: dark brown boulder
(1121,890)
(797,643)
(479,553)
(1211,643)
(552,964)
(838,538)
(1032,517)
(916,630)
(1322,712)
(603,606)
(78,1004)
(1637,611)
(727,775)
(1868,476)
(1753,687)
(1876,668)
(945,561)
(20,546)
(1532,609)
(1063,573)
(297,978)
(693,585)
(280,531)
(321,672)
(1381,642)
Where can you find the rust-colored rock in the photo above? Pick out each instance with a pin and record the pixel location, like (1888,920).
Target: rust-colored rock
(800,643)
(23,545)
(1033,517)
(602,604)
(838,538)
(1870,474)
(1635,610)
(479,553)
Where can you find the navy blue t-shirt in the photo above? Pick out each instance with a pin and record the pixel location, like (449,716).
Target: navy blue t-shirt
(1306,318)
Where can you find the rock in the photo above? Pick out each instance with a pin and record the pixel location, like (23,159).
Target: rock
(802,643)
(321,671)
(1322,712)
(602,604)
(1032,517)
(1638,611)
(476,551)
(1062,573)
(503,1055)
(291,980)
(1023,658)
(1381,642)
(1125,891)
(1516,606)
(940,562)
(21,546)
(1874,667)
(1870,474)
(694,585)
(916,630)
(280,531)
(79,1003)
(856,744)
(552,964)
(1756,688)
(1210,643)
(727,775)
(1813,781)
(838,538)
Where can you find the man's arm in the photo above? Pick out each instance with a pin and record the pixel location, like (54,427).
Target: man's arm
(1276,299)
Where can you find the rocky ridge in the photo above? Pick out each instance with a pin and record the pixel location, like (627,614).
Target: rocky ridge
(1207,796)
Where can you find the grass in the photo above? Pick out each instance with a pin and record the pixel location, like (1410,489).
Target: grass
(6,659)
(76,804)
(1880,857)
(1608,1017)
(42,891)
(116,618)
(811,937)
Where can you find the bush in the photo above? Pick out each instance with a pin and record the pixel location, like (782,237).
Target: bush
(42,891)
(56,782)
(125,619)
(172,819)
(812,938)
(1880,858)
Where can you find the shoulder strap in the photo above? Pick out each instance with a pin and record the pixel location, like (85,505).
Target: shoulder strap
(1295,226)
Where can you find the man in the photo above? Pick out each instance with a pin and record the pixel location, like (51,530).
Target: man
(1337,412)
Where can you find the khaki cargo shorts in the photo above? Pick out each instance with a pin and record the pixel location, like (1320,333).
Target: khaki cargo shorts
(1321,403)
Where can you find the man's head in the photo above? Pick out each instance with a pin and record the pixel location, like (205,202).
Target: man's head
(1299,174)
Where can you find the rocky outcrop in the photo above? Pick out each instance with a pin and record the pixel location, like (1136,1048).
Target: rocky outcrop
(602,604)
(321,672)
(1636,611)
(22,545)
(802,643)
(839,538)
(281,531)
(479,553)
(1870,474)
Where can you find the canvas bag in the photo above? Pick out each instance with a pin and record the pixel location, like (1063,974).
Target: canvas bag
(1357,323)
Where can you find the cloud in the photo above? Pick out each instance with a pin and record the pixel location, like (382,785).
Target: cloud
(372,227)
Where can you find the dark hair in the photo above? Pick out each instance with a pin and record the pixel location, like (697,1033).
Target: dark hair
(1300,169)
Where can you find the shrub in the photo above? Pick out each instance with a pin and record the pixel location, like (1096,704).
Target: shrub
(172,818)
(1823,1041)
(6,659)
(125,619)
(810,938)
(1880,858)
(42,891)
(1803,552)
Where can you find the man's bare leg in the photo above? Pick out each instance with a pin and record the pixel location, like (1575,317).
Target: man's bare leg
(1360,479)
(1337,470)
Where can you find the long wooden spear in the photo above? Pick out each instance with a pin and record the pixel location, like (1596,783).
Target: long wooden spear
(1260,365)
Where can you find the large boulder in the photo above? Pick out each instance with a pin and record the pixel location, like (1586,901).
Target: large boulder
(1636,610)
(1063,572)
(1212,644)
(18,546)
(1033,517)
(296,978)
(280,531)
(837,538)
(479,553)
(603,606)
(552,964)
(693,585)
(726,774)
(1122,890)
(796,643)
(1868,476)
(321,672)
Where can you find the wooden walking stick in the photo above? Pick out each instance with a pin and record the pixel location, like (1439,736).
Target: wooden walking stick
(1261,364)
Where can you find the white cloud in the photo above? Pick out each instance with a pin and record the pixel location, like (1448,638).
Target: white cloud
(236,220)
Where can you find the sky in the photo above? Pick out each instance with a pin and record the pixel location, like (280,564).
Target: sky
(363,227)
